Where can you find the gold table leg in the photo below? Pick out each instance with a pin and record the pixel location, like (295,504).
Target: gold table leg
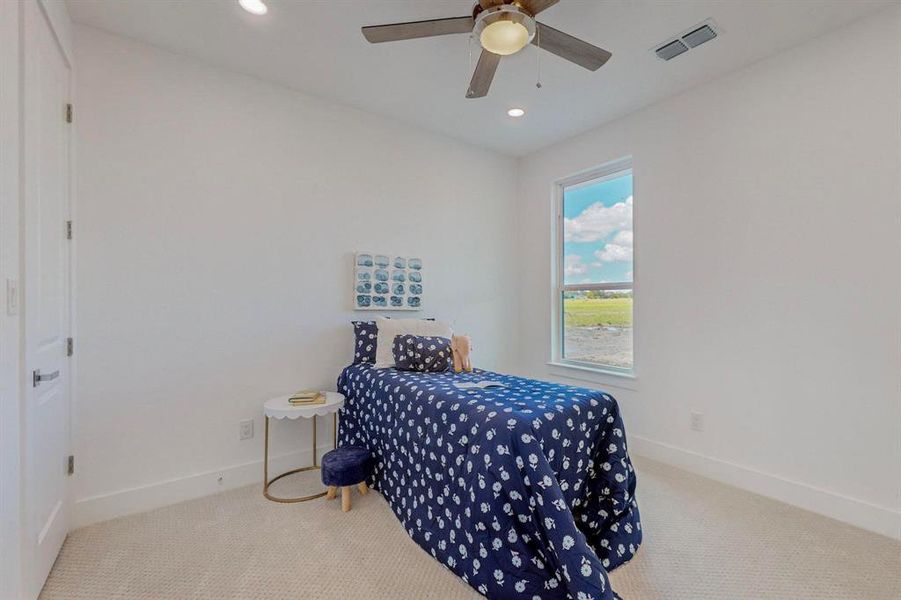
(267,482)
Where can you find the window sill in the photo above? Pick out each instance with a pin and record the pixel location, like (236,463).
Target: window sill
(626,381)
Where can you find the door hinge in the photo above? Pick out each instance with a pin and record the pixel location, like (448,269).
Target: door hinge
(70,346)
(68,230)
(68,113)
(70,468)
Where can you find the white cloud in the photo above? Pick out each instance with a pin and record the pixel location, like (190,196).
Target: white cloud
(623,238)
(614,253)
(598,221)
(618,250)
(573,265)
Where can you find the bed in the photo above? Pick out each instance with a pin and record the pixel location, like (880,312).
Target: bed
(525,491)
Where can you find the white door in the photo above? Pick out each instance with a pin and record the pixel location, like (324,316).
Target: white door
(46,283)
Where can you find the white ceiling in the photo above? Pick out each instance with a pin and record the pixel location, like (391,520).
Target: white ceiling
(316,47)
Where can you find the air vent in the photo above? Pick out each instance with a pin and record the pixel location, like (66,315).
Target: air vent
(672,50)
(699,36)
(691,38)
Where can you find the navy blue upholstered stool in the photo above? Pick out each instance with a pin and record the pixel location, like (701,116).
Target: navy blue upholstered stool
(345,467)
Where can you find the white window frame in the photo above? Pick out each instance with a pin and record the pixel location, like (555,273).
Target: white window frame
(607,171)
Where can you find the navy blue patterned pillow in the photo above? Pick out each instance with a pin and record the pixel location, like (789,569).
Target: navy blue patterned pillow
(365,334)
(426,354)
(404,352)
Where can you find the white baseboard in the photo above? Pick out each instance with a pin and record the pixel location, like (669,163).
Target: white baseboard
(836,506)
(163,493)
(859,513)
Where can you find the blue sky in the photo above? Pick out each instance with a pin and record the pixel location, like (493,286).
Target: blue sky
(597,232)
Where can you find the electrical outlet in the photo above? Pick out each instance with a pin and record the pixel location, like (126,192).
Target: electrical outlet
(697,421)
(245,429)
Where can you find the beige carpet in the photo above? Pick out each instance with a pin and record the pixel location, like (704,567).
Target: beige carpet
(702,540)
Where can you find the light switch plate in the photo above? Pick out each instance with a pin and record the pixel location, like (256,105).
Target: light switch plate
(12,297)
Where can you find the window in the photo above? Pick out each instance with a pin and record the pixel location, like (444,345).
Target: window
(594,287)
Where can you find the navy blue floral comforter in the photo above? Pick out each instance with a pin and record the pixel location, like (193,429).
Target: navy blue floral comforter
(525,491)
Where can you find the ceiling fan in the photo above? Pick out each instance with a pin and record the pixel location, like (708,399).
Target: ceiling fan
(503,27)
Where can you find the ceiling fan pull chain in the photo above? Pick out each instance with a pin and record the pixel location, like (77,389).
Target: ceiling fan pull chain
(538,55)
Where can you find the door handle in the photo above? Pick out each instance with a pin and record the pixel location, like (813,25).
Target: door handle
(38,377)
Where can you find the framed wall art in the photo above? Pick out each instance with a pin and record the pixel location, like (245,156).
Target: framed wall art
(387,282)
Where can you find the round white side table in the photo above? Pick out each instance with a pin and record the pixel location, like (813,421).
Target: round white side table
(280,408)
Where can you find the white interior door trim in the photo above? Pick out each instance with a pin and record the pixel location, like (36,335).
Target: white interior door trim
(11,363)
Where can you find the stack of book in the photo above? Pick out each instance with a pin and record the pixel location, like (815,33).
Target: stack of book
(306,397)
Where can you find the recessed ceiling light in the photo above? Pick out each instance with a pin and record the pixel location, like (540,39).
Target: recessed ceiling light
(254,7)
(516,112)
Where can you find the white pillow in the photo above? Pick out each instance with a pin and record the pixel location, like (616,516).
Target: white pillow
(391,328)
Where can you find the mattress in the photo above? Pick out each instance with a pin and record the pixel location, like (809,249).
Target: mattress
(524,491)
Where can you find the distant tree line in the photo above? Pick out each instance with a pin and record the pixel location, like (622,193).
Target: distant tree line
(598,294)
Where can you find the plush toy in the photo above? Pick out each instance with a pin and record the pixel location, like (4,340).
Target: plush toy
(461,347)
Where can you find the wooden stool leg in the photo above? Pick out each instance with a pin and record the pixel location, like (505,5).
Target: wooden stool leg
(332,492)
(362,487)
(345,498)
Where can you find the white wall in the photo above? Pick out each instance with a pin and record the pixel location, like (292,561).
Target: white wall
(768,273)
(216,224)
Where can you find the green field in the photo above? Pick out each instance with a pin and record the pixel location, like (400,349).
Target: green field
(585,312)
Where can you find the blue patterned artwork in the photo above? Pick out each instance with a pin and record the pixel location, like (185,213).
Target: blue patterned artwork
(381,282)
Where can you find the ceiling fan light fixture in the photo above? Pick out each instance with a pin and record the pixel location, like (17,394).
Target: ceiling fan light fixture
(504,37)
(504,29)
(254,7)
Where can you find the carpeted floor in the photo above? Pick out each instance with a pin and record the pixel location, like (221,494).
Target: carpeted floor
(702,540)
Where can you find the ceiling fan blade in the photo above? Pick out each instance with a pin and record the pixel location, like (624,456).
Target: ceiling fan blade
(484,73)
(571,48)
(533,7)
(417,29)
